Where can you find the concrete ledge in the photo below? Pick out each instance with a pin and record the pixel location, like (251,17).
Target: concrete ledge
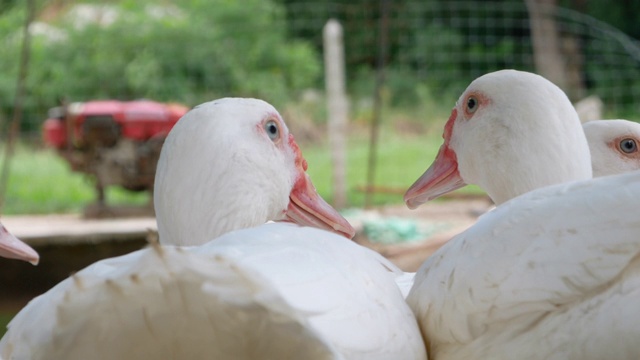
(69,243)
(73,229)
(66,244)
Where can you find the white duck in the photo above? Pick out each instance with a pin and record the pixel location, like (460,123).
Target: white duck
(499,116)
(510,132)
(614,146)
(273,291)
(12,248)
(551,274)
(209,180)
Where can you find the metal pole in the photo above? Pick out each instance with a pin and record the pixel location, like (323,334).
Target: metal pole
(383,30)
(18,103)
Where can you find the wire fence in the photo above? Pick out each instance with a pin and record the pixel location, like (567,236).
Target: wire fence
(435,49)
(444,45)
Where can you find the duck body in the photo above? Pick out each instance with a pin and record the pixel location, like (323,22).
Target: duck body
(552,274)
(268,291)
(273,292)
(347,292)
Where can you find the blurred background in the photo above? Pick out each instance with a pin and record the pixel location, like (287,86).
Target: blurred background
(405,63)
(189,52)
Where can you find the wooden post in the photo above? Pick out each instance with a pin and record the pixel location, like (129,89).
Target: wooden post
(337,107)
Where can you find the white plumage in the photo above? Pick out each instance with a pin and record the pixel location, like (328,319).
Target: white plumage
(614,146)
(231,164)
(510,132)
(272,291)
(550,274)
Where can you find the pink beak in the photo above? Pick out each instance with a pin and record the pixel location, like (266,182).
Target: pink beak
(441,177)
(12,248)
(307,208)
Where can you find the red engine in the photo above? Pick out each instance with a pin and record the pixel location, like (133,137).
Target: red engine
(115,142)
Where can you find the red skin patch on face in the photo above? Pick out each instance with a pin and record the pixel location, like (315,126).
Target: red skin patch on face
(301,165)
(448,127)
(300,160)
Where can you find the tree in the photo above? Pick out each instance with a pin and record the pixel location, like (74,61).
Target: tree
(546,41)
(191,53)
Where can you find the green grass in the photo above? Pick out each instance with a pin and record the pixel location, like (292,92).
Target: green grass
(4,321)
(41,182)
(401,160)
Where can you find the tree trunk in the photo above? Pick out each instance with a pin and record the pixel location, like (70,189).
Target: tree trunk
(547,54)
(574,67)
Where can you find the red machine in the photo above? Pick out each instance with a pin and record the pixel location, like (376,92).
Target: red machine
(115,142)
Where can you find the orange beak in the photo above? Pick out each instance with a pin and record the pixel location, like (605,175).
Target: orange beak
(307,208)
(12,248)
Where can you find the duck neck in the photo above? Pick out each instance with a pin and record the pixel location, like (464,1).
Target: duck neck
(509,167)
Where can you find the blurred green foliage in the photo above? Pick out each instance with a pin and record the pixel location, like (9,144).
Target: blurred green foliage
(190,52)
(40,182)
(444,44)
(196,50)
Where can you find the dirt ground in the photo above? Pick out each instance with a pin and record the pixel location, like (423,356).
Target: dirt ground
(454,216)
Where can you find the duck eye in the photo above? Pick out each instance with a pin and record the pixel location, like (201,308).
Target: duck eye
(472,104)
(628,146)
(272,130)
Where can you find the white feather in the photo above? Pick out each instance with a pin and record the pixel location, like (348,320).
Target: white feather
(605,137)
(552,274)
(273,291)
(276,291)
